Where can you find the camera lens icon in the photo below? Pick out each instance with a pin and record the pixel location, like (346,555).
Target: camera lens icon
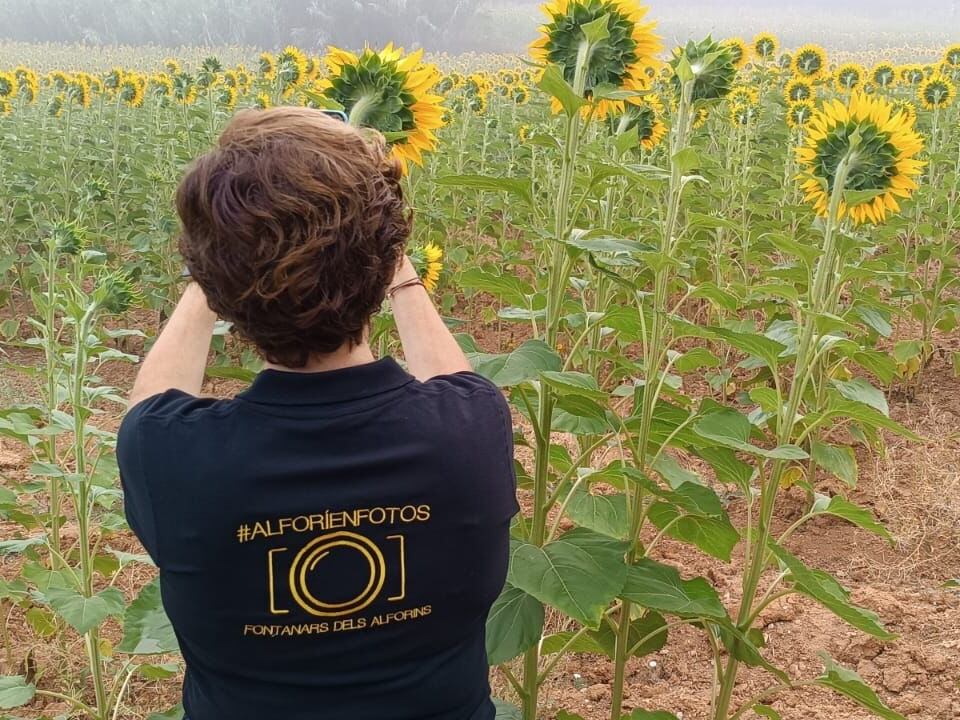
(312,556)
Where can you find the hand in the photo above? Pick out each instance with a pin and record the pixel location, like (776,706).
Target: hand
(405,272)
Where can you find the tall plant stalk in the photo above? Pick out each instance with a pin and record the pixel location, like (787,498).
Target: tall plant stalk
(804,371)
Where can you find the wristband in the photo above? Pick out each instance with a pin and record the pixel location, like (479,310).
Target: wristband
(409,283)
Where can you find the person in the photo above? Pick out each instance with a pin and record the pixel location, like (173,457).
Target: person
(330,541)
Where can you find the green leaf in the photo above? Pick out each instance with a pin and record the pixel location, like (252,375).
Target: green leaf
(867,416)
(659,587)
(514,625)
(85,613)
(840,461)
(757,346)
(508,287)
(231,372)
(640,714)
(506,711)
(42,621)
(670,470)
(524,363)
(651,629)
(579,573)
(731,429)
(824,588)
(161,671)
(553,83)
(696,359)
(686,160)
(605,514)
(518,187)
(573,383)
(714,536)
(849,684)
(766,711)
(853,513)
(15,691)
(859,197)
(859,390)
(728,468)
(146,628)
(174,713)
(597,31)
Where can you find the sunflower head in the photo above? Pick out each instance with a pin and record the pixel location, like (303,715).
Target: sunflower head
(620,60)
(937,91)
(880,146)
(884,75)
(78,90)
(132,90)
(810,62)
(226,96)
(263,101)
(951,56)
(849,76)
(712,66)
(765,46)
(428,260)
(389,91)
(68,238)
(743,115)
(520,94)
(644,114)
(9,87)
(172,66)
(56,105)
(267,64)
(292,66)
(744,95)
(799,113)
(739,52)
(799,89)
(184,89)
(906,107)
(115,293)
(911,75)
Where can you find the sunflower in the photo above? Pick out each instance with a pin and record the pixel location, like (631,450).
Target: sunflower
(161,85)
(911,74)
(131,91)
(56,105)
(449,83)
(799,89)
(523,132)
(263,101)
(744,95)
(391,92)
(951,56)
(114,78)
(172,66)
(9,87)
(712,66)
(906,107)
(209,72)
(810,62)
(268,66)
(428,260)
(739,52)
(477,103)
(799,113)
(644,115)
(849,76)
(520,94)
(765,46)
(884,75)
(78,90)
(700,117)
(28,83)
(5,107)
(882,159)
(226,96)
(936,92)
(292,66)
(620,61)
(508,78)
(184,91)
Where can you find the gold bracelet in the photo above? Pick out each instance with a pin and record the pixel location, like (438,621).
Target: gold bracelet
(409,283)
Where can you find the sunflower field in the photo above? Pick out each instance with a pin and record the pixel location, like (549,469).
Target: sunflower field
(712,280)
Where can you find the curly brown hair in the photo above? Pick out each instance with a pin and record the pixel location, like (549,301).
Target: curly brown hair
(293,226)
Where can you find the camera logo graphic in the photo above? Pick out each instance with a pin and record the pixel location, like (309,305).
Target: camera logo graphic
(307,578)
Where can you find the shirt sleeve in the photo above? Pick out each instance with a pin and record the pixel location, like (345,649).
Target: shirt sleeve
(486,425)
(138,500)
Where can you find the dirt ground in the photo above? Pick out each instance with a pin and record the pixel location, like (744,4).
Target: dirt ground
(913,488)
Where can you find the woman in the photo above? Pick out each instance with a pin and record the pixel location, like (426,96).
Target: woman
(330,540)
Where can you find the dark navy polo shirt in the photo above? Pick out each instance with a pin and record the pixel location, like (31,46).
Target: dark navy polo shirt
(329,544)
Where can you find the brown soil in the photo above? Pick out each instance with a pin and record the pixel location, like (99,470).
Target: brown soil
(913,488)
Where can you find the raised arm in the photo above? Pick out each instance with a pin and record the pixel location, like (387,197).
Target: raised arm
(179,357)
(428,345)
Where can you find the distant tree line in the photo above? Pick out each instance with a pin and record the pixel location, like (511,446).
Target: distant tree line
(437,24)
